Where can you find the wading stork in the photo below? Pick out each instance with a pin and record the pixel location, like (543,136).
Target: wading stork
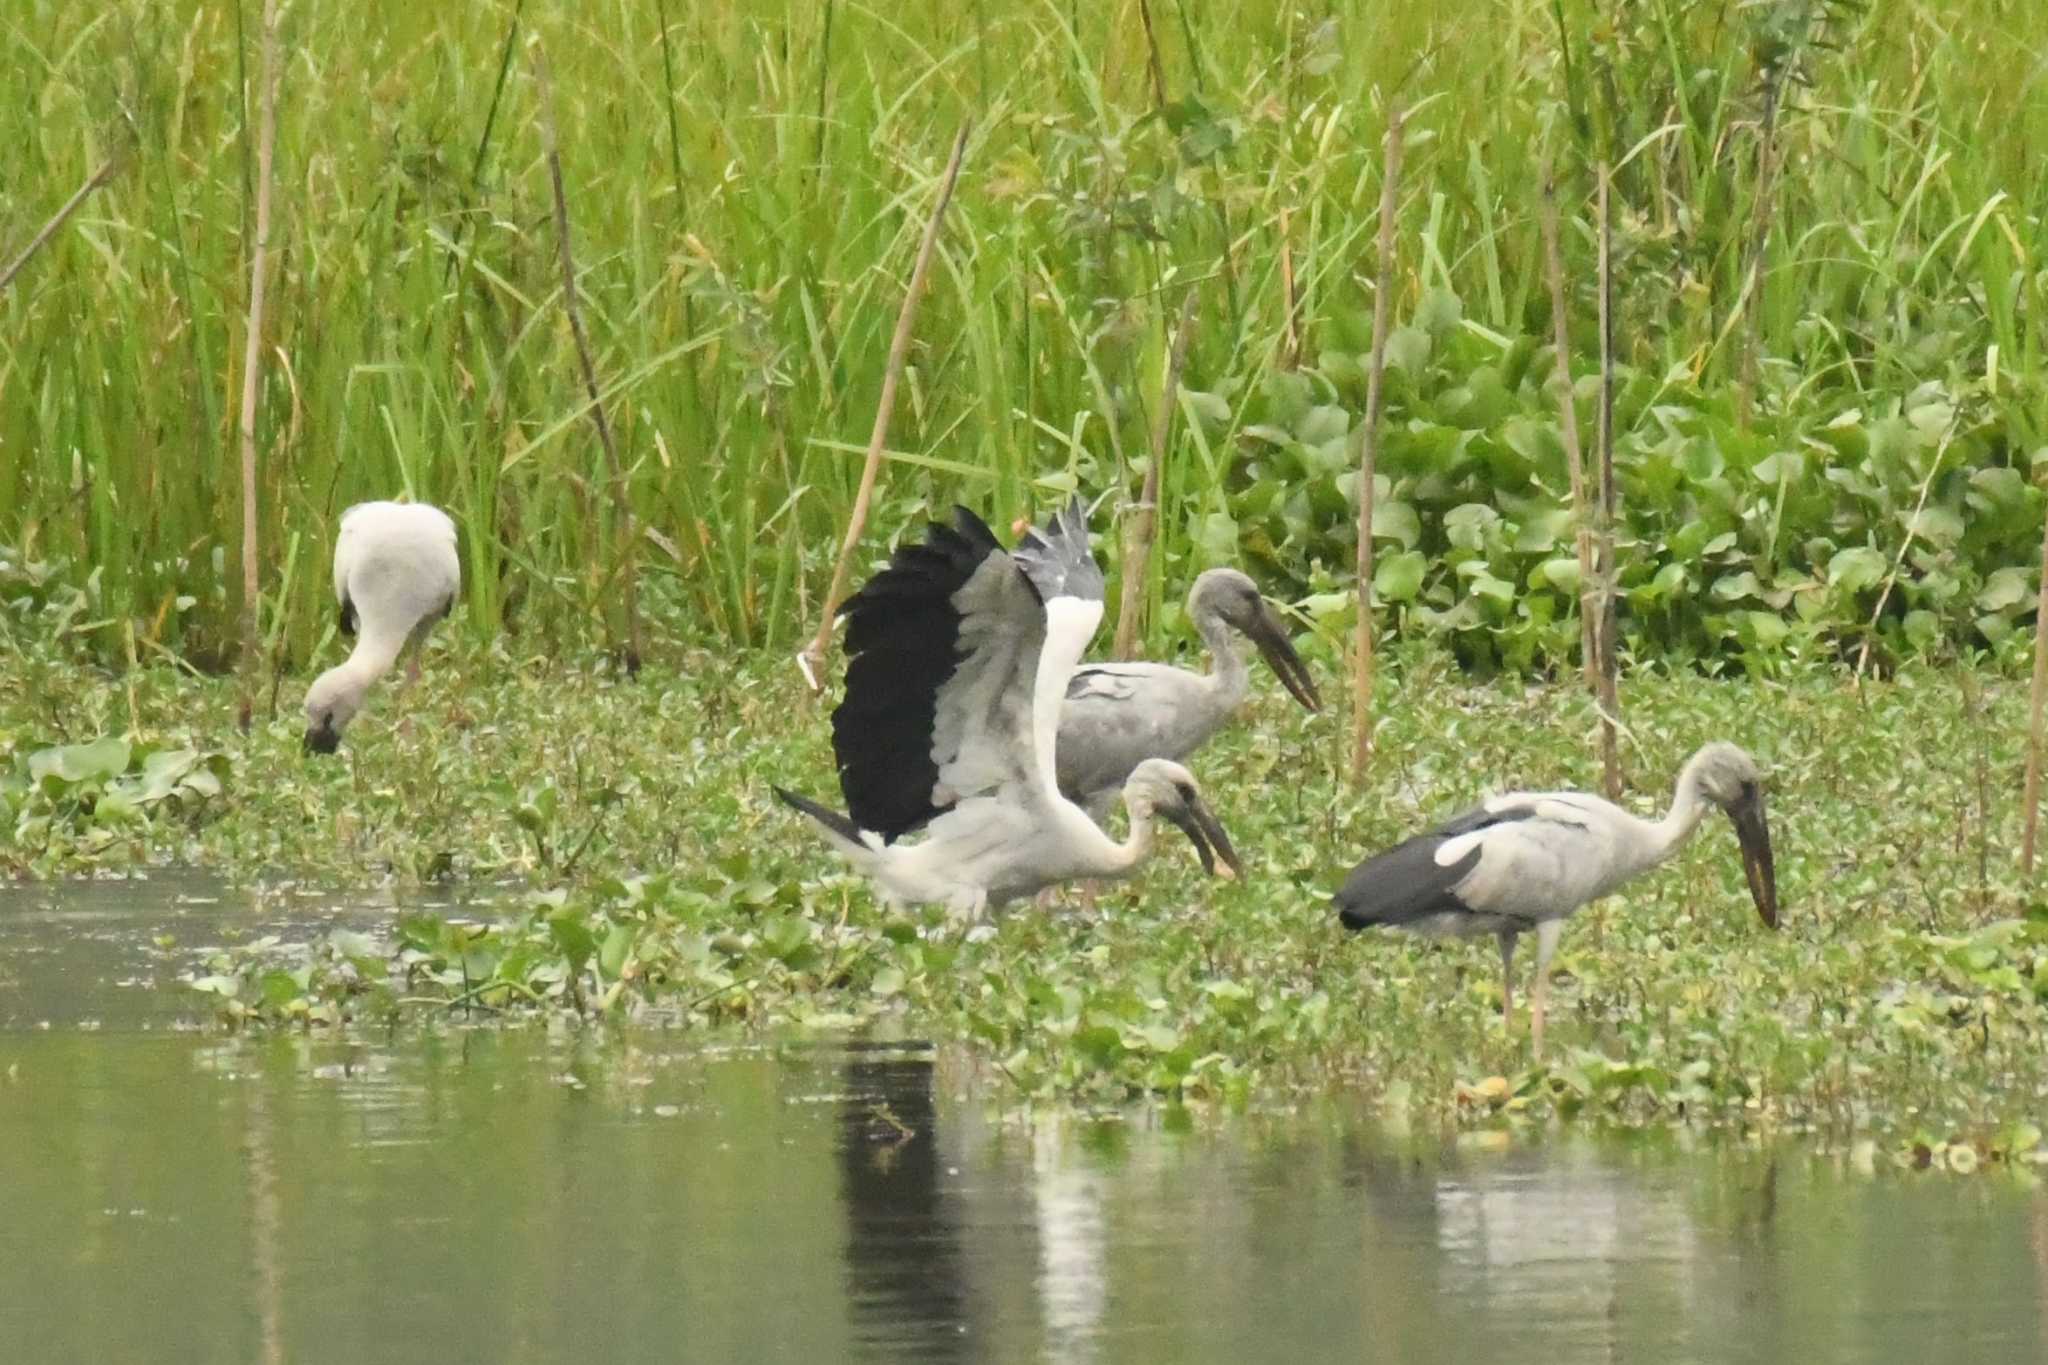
(1527,860)
(958,655)
(395,574)
(1117,715)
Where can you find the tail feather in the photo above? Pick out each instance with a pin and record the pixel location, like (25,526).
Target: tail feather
(843,833)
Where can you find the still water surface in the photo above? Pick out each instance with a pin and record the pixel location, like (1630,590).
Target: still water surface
(169,1194)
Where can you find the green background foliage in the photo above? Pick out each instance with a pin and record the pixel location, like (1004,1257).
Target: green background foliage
(748,181)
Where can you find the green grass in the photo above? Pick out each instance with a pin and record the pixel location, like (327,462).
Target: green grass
(647,872)
(747,187)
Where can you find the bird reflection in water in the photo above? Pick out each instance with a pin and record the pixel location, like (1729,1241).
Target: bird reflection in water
(905,1275)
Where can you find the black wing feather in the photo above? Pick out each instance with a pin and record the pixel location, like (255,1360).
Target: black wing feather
(1405,883)
(902,645)
(348,615)
(824,815)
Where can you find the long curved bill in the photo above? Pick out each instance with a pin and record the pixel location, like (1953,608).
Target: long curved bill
(1269,633)
(1755,833)
(1208,837)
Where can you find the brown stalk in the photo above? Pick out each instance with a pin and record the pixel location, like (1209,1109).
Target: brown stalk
(2036,707)
(1609,691)
(629,583)
(1157,68)
(79,196)
(1369,454)
(1574,456)
(1143,527)
(252,357)
(811,657)
(1290,299)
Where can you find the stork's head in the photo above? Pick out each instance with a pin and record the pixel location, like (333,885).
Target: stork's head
(1233,598)
(1728,777)
(1159,787)
(331,703)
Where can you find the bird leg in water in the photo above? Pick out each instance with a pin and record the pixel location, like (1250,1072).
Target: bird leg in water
(1547,934)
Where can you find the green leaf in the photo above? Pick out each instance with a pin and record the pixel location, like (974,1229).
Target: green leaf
(572,936)
(1395,520)
(103,758)
(1562,574)
(1408,349)
(1438,310)
(1398,577)
(1856,568)
(2006,589)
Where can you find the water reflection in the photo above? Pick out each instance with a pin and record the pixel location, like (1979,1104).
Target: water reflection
(536,1195)
(903,1261)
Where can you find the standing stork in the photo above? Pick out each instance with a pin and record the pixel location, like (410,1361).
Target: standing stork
(958,657)
(395,574)
(1118,715)
(1527,860)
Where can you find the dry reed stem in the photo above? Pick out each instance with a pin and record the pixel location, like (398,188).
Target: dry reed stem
(811,657)
(1156,67)
(1142,528)
(252,357)
(1574,454)
(1290,298)
(629,583)
(1609,689)
(1369,454)
(2035,708)
(49,230)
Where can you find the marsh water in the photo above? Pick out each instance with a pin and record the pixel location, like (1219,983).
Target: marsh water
(170,1193)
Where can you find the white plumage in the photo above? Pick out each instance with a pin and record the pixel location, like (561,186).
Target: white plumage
(958,659)
(1527,860)
(396,573)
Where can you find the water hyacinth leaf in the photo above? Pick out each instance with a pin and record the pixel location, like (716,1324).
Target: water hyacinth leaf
(1786,466)
(1856,568)
(1321,424)
(1438,310)
(1396,520)
(1936,525)
(1922,628)
(1561,573)
(617,947)
(1467,524)
(1999,487)
(1408,349)
(97,761)
(1212,410)
(1541,531)
(1398,577)
(1216,538)
(571,933)
(2005,589)
(1735,587)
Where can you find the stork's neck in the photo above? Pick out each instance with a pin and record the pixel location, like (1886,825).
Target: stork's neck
(1228,676)
(1137,845)
(376,650)
(1688,806)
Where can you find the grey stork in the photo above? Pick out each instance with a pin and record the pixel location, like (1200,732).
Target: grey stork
(396,573)
(1120,714)
(1527,860)
(958,658)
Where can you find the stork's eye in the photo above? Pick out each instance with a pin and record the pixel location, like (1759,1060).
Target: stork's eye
(1186,790)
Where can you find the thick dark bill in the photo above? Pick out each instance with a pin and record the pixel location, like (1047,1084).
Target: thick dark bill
(1269,633)
(322,741)
(1755,833)
(1207,836)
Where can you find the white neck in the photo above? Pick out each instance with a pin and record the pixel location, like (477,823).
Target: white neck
(1688,806)
(1136,846)
(1228,676)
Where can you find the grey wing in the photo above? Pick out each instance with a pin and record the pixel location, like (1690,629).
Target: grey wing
(1118,715)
